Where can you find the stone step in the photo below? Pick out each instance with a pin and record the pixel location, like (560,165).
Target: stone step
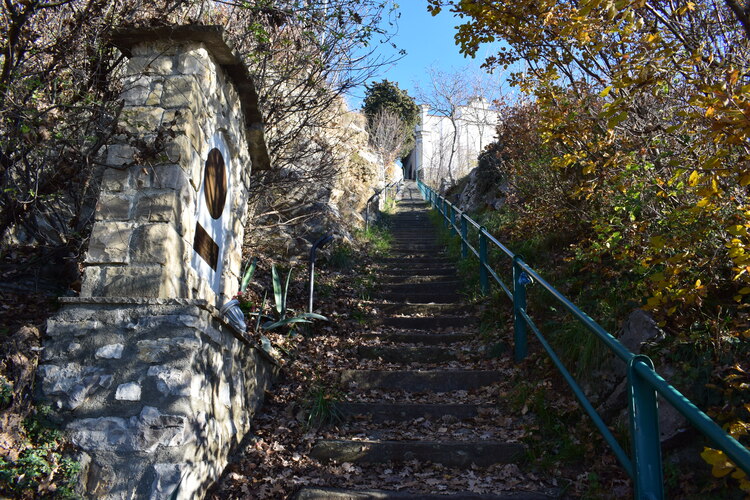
(425,297)
(411,260)
(417,250)
(416,259)
(452,454)
(421,338)
(416,254)
(413,232)
(407,278)
(407,354)
(443,287)
(418,270)
(427,323)
(321,493)
(421,380)
(396,412)
(429,309)
(415,240)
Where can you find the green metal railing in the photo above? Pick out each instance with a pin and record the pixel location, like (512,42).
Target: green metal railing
(645,465)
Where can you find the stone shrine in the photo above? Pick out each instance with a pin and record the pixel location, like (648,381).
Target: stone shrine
(152,384)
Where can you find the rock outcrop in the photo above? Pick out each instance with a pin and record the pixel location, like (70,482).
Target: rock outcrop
(485,186)
(287,226)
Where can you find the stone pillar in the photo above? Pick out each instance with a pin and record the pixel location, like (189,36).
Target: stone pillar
(151,384)
(169,222)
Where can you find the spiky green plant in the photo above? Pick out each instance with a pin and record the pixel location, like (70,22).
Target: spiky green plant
(321,406)
(247,276)
(283,315)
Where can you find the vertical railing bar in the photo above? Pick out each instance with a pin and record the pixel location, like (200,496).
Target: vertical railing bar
(644,433)
(483,278)
(464,236)
(520,280)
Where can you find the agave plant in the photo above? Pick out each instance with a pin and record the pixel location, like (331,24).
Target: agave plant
(283,315)
(247,277)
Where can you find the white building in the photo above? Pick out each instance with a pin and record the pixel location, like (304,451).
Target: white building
(444,153)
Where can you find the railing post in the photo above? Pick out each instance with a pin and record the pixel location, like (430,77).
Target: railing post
(449,219)
(464,236)
(484,282)
(644,433)
(520,280)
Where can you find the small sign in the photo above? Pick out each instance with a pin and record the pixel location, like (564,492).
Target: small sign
(212,213)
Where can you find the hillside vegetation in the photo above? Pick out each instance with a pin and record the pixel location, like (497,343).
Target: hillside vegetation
(626,163)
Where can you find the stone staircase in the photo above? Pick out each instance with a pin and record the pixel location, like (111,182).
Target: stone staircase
(436,387)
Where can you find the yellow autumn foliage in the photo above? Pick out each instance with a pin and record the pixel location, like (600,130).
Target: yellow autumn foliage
(642,116)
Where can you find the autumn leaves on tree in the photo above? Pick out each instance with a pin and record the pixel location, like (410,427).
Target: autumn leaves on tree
(639,112)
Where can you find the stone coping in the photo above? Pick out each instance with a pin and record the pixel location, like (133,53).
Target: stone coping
(216,42)
(200,303)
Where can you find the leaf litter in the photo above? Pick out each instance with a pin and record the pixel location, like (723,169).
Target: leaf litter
(274,460)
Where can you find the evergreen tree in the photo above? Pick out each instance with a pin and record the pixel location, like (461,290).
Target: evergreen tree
(387,95)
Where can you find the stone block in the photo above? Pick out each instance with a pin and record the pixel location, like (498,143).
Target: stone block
(61,328)
(135,95)
(168,478)
(109,243)
(154,96)
(113,207)
(195,62)
(185,122)
(171,381)
(156,244)
(179,150)
(169,321)
(160,64)
(160,206)
(136,80)
(130,281)
(110,351)
(120,154)
(115,180)
(195,167)
(168,176)
(146,432)
(166,349)
(181,92)
(141,119)
(90,283)
(130,391)
(69,385)
(136,66)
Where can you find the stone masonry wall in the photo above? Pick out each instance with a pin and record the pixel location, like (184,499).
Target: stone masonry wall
(155,393)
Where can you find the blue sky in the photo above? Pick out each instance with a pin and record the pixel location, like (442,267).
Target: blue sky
(428,41)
